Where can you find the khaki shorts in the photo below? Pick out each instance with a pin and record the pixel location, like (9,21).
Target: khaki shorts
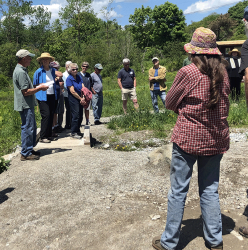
(131,93)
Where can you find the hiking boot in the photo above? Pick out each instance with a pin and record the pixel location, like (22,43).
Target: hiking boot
(76,136)
(31,157)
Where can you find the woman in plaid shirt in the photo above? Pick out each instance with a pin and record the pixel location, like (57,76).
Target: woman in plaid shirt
(199,95)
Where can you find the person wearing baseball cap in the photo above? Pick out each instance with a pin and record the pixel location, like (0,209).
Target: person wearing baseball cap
(243,70)
(97,97)
(24,103)
(157,83)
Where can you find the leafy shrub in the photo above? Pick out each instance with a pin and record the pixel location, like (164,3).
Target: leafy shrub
(3,165)
(4,82)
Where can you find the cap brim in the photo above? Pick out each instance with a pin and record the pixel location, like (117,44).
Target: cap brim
(32,55)
(191,49)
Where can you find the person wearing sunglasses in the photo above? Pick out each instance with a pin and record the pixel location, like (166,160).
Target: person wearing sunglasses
(74,83)
(88,83)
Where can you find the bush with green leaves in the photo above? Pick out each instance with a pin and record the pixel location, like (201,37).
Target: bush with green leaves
(3,165)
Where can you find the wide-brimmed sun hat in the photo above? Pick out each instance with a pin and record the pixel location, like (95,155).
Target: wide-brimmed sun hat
(45,55)
(234,50)
(203,42)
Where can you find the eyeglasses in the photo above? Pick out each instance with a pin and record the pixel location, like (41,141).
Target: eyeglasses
(85,66)
(126,64)
(74,69)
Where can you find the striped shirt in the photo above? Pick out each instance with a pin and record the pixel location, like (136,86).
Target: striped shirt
(198,130)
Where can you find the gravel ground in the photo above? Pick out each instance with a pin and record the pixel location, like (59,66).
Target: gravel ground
(90,198)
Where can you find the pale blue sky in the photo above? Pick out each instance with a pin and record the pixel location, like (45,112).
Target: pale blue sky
(194,10)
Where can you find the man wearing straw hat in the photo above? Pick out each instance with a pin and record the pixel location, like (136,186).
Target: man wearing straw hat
(24,102)
(233,72)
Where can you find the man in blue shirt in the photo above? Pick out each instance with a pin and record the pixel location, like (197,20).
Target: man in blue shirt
(127,84)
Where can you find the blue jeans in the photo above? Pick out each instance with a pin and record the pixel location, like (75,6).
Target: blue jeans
(97,101)
(208,181)
(28,131)
(154,96)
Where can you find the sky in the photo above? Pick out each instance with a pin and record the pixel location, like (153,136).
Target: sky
(120,10)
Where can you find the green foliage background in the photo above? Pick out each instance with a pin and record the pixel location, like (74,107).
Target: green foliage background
(80,36)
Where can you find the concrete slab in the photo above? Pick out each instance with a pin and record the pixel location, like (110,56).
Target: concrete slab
(64,140)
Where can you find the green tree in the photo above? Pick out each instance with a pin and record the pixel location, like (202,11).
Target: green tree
(73,14)
(237,13)
(223,27)
(190,29)
(13,13)
(39,28)
(8,59)
(169,24)
(141,25)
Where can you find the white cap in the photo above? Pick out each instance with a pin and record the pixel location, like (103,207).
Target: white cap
(155,58)
(23,52)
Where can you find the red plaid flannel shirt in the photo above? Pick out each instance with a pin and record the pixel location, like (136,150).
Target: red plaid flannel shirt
(198,130)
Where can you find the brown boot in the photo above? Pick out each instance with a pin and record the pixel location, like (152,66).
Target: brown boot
(31,157)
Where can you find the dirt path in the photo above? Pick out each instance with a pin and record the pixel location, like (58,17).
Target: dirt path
(77,197)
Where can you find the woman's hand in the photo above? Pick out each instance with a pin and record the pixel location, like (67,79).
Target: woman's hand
(82,101)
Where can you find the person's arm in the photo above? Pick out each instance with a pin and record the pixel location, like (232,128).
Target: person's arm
(75,94)
(119,82)
(246,87)
(134,82)
(27,92)
(92,89)
(161,75)
(58,74)
(177,91)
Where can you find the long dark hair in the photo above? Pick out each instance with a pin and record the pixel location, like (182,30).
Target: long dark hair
(214,67)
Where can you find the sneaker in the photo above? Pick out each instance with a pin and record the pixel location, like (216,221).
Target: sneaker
(35,152)
(45,140)
(31,157)
(88,123)
(98,123)
(76,136)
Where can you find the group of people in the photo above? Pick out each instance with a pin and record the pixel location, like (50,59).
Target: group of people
(52,89)
(199,95)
